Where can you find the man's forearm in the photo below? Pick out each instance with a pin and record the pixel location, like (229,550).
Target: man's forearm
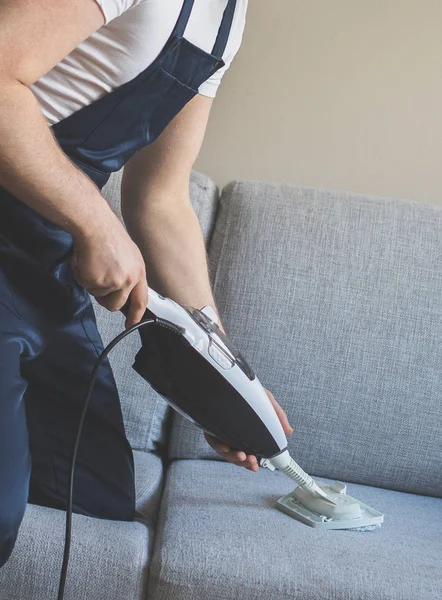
(169,236)
(34,168)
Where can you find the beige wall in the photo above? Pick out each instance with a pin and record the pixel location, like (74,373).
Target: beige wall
(343,94)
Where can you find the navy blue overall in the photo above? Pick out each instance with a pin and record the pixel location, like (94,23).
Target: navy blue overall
(48,336)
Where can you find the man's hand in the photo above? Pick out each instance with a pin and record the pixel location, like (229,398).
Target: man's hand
(248,461)
(110,266)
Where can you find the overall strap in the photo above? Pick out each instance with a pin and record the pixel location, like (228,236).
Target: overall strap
(183,19)
(224,29)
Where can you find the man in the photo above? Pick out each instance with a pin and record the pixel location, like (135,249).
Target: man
(85,88)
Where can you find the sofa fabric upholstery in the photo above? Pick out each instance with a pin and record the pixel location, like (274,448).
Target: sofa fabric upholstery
(144,411)
(108,559)
(219,538)
(335,300)
(149,478)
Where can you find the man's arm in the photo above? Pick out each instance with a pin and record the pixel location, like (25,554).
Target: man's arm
(158,214)
(157,210)
(34,37)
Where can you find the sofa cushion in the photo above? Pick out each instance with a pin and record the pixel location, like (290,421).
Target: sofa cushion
(144,411)
(220,537)
(335,300)
(108,558)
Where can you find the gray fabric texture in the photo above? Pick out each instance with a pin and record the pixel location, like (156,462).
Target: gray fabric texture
(108,558)
(148,485)
(144,411)
(187,441)
(335,300)
(220,538)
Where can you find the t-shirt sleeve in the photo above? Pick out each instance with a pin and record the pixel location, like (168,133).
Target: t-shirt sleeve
(112,9)
(210,87)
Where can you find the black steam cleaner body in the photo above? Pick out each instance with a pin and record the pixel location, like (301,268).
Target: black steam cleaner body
(196,368)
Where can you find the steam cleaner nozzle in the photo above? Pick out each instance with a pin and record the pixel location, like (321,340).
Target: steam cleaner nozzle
(285,463)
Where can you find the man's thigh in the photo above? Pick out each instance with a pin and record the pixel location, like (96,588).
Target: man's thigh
(57,383)
(15,463)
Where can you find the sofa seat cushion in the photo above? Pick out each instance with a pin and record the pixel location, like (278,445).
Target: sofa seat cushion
(144,411)
(219,537)
(108,558)
(335,300)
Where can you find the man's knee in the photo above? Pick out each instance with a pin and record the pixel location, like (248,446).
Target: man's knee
(9,526)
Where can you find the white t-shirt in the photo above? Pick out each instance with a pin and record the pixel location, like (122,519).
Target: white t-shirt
(134,33)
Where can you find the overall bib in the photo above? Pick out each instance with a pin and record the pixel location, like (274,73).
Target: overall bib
(48,336)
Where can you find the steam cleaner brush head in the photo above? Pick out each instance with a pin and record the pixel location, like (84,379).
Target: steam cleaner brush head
(321,505)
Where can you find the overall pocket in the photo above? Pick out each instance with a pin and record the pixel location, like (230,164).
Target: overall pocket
(177,96)
(136,120)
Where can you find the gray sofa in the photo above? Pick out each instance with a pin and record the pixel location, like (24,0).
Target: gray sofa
(336,301)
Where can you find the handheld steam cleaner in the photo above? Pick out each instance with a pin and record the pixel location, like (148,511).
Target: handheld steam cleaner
(195,367)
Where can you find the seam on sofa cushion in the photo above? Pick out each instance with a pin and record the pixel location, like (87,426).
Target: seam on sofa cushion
(225,230)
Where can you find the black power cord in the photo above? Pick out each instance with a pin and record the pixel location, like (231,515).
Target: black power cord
(67,539)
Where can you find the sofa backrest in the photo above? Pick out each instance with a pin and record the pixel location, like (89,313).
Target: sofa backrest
(335,300)
(144,411)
